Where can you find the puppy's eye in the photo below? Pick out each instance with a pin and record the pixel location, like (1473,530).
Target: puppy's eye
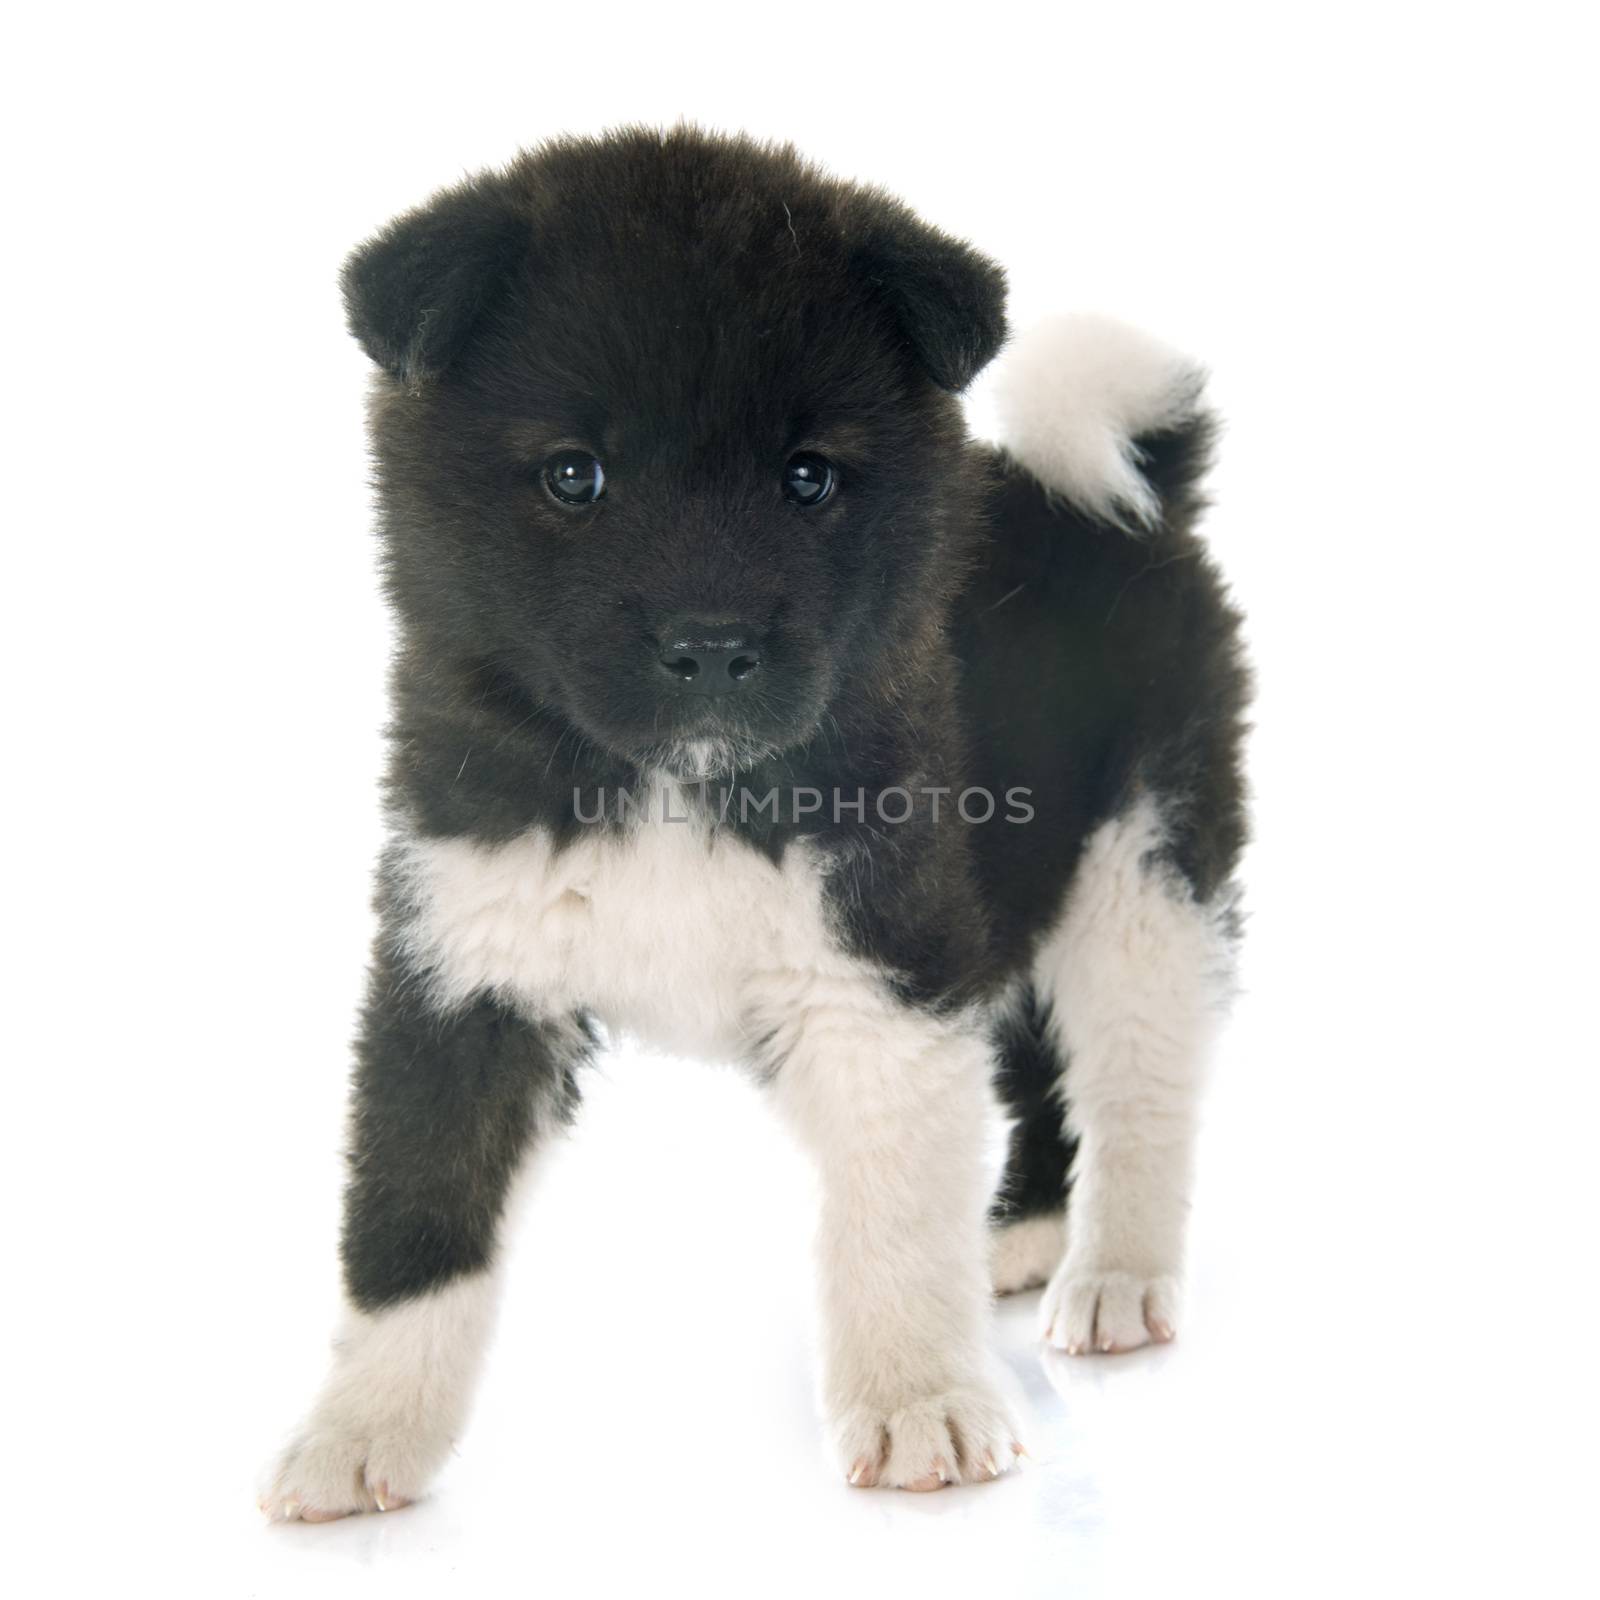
(574,478)
(808,479)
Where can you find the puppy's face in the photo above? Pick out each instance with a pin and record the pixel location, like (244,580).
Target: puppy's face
(675,468)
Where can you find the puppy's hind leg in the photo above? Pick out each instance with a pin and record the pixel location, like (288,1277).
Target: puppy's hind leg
(1136,975)
(1028,1218)
(448,1105)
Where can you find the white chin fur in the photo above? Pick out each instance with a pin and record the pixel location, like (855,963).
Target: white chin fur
(1073,394)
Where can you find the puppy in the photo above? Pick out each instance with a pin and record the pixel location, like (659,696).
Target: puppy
(743,703)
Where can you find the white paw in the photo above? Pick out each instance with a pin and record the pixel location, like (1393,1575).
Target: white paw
(1085,1310)
(335,1468)
(961,1436)
(395,1399)
(1022,1255)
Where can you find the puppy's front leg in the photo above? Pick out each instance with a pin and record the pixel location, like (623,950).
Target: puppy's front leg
(892,1103)
(448,1103)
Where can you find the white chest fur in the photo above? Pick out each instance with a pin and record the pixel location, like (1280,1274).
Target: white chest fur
(671,930)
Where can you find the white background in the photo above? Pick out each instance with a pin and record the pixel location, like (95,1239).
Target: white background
(1376,228)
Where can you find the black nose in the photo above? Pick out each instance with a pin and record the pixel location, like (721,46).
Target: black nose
(709,657)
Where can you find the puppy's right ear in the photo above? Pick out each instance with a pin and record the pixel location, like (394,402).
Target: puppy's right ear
(414,292)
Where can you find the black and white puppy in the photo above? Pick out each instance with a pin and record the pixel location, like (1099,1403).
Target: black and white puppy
(745,704)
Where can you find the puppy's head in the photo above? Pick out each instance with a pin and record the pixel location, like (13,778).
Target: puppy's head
(666,438)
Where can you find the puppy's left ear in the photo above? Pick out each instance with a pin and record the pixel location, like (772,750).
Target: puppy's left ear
(415,291)
(949,300)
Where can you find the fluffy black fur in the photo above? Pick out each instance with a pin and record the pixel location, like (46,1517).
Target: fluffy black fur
(693,311)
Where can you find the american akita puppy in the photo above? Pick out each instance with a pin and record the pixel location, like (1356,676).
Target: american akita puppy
(743,702)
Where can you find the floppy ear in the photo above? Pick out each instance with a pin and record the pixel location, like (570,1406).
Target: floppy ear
(414,291)
(949,300)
